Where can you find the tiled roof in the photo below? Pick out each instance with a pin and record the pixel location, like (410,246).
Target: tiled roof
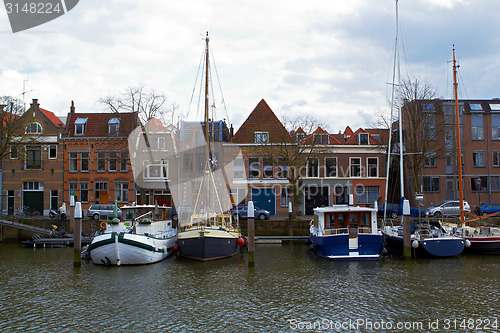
(97,124)
(262,119)
(52,117)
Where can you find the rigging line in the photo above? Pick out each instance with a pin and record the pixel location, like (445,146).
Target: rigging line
(195,81)
(220,89)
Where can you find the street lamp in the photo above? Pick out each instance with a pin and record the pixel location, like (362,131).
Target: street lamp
(478,186)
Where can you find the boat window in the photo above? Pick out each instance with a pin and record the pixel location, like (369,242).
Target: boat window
(342,223)
(329,221)
(316,220)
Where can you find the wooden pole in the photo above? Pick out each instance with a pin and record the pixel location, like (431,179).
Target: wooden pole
(290,219)
(406,229)
(251,235)
(77,236)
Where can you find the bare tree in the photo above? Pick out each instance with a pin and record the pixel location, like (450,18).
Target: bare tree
(147,103)
(11,109)
(422,142)
(291,152)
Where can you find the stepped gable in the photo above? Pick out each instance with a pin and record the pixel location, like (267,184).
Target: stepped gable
(262,119)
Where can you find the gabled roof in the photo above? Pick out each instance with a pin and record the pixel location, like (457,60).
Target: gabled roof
(375,136)
(262,119)
(97,124)
(52,117)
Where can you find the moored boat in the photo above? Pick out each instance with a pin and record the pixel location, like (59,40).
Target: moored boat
(342,232)
(144,235)
(483,239)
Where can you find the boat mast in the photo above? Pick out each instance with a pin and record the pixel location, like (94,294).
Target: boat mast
(207,133)
(398,103)
(459,143)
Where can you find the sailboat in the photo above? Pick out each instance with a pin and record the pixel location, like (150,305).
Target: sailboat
(482,239)
(428,239)
(208,231)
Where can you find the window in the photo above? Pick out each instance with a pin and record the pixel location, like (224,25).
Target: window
(431,184)
(495,107)
(312,167)
(13,152)
(355,166)
(476,107)
(430,159)
(366,194)
(261,137)
(267,167)
(299,137)
(478,158)
(372,163)
(54,198)
(282,168)
(32,186)
(496,158)
(84,192)
(124,161)
(483,186)
(121,192)
(330,167)
(363,139)
(85,162)
(162,144)
(253,167)
(80,126)
(33,158)
(321,138)
(73,190)
(101,161)
(238,168)
(430,126)
(285,194)
(112,162)
(113,127)
(73,162)
(52,152)
(495,126)
(477,127)
(495,183)
(158,170)
(34,128)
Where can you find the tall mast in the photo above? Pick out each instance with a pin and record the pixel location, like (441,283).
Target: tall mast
(459,141)
(207,133)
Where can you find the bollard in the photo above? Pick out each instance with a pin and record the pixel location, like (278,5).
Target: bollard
(251,234)
(77,235)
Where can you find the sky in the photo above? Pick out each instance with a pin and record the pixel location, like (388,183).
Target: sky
(332,60)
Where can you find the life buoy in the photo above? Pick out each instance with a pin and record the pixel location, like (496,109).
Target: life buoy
(103,225)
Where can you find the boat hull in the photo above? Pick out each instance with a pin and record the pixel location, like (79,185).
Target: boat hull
(208,244)
(129,249)
(483,245)
(428,247)
(341,247)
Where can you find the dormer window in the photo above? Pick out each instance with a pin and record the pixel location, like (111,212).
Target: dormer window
(113,126)
(321,139)
(80,126)
(363,139)
(34,128)
(261,137)
(300,137)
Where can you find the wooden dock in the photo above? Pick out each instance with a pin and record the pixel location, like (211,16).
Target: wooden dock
(53,242)
(277,239)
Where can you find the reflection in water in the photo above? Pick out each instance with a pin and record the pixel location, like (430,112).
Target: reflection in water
(41,291)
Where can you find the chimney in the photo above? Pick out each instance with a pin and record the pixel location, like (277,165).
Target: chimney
(35,102)
(231,132)
(72,107)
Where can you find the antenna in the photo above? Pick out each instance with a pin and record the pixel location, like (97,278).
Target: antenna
(24,93)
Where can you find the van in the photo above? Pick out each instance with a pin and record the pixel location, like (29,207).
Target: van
(102,212)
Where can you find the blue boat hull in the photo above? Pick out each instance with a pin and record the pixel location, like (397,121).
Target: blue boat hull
(336,247)
(441,247)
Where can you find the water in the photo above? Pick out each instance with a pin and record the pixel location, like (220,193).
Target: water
(289,289)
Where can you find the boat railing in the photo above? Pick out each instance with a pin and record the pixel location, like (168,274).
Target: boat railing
(339,231)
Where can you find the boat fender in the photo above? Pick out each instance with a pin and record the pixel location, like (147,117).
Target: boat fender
(103,225)
(384,251)
(175,248)
(240,241)
(467,243)
(414,244)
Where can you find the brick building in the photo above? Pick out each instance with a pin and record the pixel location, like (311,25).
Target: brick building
(33,171)
(96,164)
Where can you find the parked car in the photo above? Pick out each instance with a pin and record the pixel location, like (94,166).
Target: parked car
(102,211)
(447,208)
(487,208)
(242,212)
(392,210)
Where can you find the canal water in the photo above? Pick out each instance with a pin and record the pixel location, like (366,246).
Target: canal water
(288,290)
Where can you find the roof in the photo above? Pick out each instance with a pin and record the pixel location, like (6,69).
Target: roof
(52,117)
(97,124)
(262,119)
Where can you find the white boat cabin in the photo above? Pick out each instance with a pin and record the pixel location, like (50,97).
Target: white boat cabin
(343,219)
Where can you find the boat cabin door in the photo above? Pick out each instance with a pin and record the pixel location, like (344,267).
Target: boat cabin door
(353,225)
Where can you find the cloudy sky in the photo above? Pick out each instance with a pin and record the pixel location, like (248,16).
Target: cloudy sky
(331,59)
